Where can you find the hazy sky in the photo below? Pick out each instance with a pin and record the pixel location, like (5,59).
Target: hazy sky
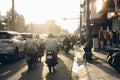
(38,11)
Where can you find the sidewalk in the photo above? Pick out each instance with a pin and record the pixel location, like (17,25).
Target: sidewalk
(99,69)
(79,70)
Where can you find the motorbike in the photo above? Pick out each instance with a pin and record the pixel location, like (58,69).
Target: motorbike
(31,60)
(51,60)
(88,54)
(114,58)
(66,49)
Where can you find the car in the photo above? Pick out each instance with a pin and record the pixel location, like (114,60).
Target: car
(27,35)
(11,45)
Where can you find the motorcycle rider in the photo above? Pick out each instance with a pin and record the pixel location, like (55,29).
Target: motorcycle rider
(66,42)
(40,46)
(30,50)
(52,44)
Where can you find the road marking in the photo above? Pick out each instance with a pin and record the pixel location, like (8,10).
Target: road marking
(5,73)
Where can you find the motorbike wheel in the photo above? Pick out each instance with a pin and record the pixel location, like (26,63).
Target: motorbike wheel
(118,68)
(110,61)
(87,56)
(66,51)
(49,69)
(30,66)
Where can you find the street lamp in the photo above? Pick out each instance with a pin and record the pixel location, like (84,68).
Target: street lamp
(70,18)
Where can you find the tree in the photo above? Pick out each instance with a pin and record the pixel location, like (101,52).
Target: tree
(19,21)
(3,23)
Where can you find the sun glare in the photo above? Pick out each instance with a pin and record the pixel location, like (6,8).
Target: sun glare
(99,5)
(39,11)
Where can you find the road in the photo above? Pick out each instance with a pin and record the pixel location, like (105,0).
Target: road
(18,70)
(70,67)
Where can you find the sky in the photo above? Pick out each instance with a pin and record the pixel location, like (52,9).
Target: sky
(38,11)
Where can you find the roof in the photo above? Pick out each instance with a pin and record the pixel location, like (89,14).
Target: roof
(11,32)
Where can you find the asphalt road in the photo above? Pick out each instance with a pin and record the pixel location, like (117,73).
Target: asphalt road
(19,70)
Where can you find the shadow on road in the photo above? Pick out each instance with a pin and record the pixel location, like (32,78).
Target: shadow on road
(63,71)
(70,55)
(10,69)
(104,66)
(34,74)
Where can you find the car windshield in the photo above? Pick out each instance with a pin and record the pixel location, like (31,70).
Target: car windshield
(4,35)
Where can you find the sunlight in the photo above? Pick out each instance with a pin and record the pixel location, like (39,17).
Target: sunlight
(40,11)
(99,5)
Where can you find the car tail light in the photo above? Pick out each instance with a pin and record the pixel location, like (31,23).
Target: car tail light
(7,41)
(49,52)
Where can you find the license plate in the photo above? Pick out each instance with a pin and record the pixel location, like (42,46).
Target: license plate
(65,46)
(49,57)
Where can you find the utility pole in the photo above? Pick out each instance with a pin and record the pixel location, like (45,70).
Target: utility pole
(88,29)
(0,19)
(88,45)
(13,17)
(8,28)
(80,19)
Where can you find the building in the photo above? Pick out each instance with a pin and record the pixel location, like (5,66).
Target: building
(49,27)
(105,14)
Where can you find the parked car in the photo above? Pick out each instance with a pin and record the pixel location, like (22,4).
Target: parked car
(27,35)
(11,45)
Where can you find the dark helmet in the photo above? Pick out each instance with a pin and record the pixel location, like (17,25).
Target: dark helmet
(37,36)
(50,35)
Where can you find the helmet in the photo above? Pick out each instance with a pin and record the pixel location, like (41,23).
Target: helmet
(37,36)
(50,35)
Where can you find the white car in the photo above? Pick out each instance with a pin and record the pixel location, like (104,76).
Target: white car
(27,35)
(11,45)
